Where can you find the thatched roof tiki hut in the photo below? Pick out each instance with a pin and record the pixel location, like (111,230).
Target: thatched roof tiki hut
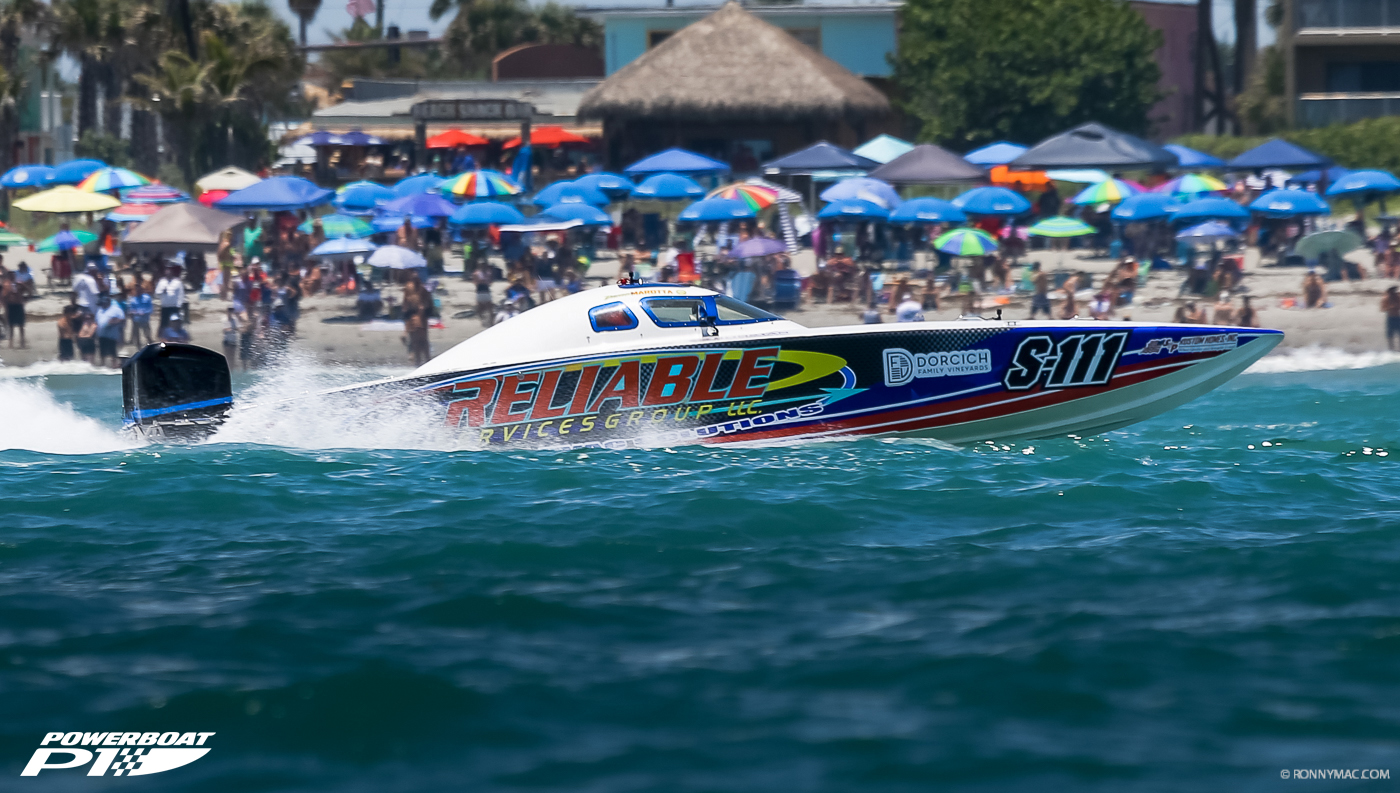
(727,79)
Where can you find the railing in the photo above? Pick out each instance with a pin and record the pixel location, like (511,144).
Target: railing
(1346,14)
(1320,112)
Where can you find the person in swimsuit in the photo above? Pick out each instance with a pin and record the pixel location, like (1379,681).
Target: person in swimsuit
(1390,306)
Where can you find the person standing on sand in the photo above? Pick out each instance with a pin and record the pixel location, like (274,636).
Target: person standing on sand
(110,321)
(12,296)
(1390,306)
(485,309)
(67,332)
(170,293)
(86,289)
(139,308)
(1068,310)
(1248,317)
(87,336)
(1040,299)
(417,308)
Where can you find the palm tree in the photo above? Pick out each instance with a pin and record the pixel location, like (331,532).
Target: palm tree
(178,91)
(15,16)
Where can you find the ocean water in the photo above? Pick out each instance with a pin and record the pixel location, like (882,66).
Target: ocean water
(1193,603)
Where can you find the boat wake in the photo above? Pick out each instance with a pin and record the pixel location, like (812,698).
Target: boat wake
(1320,359)
(40,423)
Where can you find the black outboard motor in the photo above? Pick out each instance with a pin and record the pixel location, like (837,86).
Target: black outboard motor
(175,392)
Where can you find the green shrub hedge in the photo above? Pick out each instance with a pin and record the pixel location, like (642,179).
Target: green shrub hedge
(1371,143)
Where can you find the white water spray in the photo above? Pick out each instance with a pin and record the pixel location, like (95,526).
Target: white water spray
(39,423)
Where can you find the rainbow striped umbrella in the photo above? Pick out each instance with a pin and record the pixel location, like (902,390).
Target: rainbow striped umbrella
(105,179)
(1193,184)
(480,184)
(127,213)
(755,196)
(966,242)
(154,193)
(1060,226)
(337,225)
(1107,192)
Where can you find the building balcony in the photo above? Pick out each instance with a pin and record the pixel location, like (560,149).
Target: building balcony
(1346,17)
(1320,110)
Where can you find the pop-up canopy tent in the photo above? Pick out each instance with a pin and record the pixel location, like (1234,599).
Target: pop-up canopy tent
(1095,146)
(189,227)
(928,164)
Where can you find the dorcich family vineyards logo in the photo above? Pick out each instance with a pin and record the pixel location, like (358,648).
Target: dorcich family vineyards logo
(117,753)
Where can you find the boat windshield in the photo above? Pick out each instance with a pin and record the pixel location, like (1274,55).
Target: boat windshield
(731,310)
(684,312)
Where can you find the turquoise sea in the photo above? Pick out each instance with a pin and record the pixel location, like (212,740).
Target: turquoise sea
(1194,603)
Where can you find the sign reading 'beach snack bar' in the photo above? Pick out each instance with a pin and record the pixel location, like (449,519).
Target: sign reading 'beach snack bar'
(472,110)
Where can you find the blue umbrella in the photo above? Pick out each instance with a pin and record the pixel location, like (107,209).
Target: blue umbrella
(927,210)
(999,153)
(1289,203)
(276,194)
(27,176)
(590,215)
(668,187)
(1358,182)
(1207,232)
(607,182)
(863,187)
(713,210)
(1316,175)
(1210,209)
(64,240)
(991,201)
(1277,153)
(388,223)
(75,171)
(322,138)
(429,205)
(485,213)
(357,138)
(853,209)
(421,183)
(570,193)
(363,196)
(344,246)
(1191,159)
(676,161)
(1145,206)
(755,247)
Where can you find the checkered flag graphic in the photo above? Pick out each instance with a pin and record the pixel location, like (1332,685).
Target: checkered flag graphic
(128,760)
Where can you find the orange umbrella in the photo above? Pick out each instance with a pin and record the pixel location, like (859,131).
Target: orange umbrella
(548,135)
(453,138)
(1003,176)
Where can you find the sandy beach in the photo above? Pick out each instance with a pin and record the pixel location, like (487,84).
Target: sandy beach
(325,333)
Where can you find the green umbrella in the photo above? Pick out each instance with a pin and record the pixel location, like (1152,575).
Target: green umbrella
(51,245)
(337,225)
(1312,246)
(1061,226)
(9,239)
(966,242)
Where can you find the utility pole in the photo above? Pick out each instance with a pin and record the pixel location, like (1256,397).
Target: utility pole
(1210,98)
(1246,42)
(379,15)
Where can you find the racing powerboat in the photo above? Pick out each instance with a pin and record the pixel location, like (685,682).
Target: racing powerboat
(664,364)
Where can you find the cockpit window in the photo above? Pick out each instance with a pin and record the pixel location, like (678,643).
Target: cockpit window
(689,312)
(611,316)
(731,310)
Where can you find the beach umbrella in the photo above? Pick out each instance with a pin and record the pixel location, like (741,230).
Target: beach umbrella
(966,242)
(1210,209)
(27,176)
(606,182)
(1210,231)
(485,213)
(453,138)
(230,179)
(389,223)
(276,194)
(1109,192)
(1094,145)
(65,241)
(1339,242)
(396,258)
(715,210)
(754,196)
(569,193)
(1289,203)
(66,199)
(75,171)
(756,247)
(128,213)
(9,239)
(883,148)
(154,193)
(363,196)
(667,187)
(1061,226)
(1363,182)
(675,161)
(337,225)
(927,210)
(428,205)
(1145,206)
(1190,158)
(1318,175)
(991,201)
(821,156)
(865,188)
(1192,184)
(344,246)
(853,209)
(421,183)
(999,153)
(357,138)
(547,136)
(483,183)
(1278,153)
(590,215)
(211,197)
(105,179)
